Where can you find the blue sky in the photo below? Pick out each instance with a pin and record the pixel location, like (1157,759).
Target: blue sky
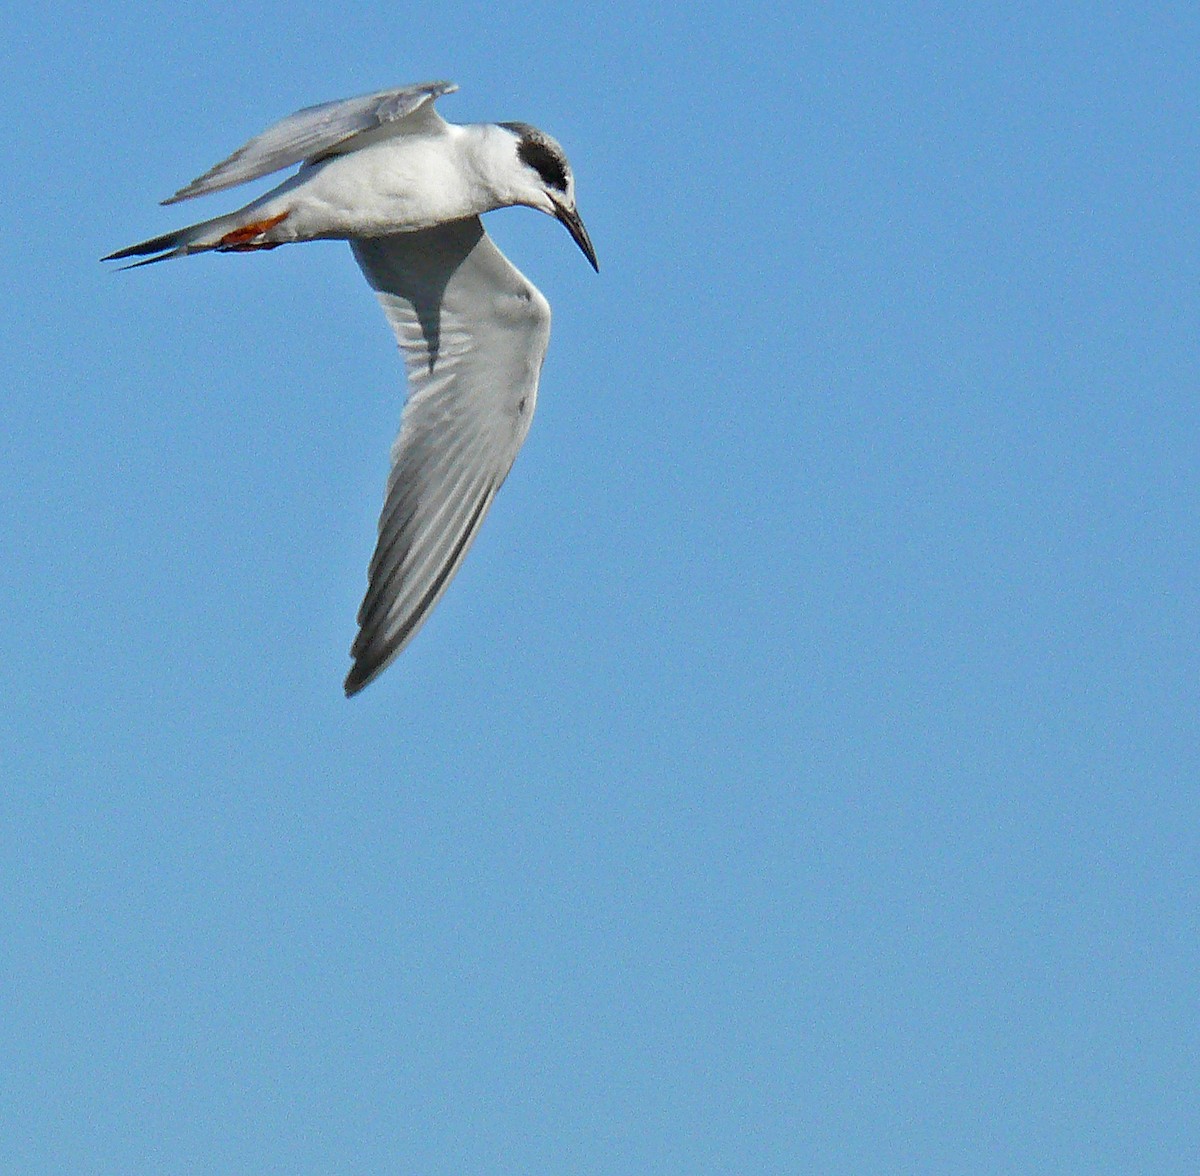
(801,773)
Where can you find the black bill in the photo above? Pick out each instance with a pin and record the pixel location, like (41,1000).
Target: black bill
(579,234)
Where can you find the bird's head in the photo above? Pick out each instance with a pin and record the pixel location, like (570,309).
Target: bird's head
(546,182)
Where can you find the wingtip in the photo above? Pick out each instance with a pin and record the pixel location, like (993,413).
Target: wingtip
(198,186)
(356,679)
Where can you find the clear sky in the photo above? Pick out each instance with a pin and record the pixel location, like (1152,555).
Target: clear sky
(801,775)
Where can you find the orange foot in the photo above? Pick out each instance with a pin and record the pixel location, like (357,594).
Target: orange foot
(244,238)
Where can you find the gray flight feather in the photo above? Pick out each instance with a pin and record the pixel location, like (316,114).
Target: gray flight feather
(316,131)
(474,333)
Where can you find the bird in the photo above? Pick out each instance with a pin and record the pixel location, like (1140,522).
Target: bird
(406,189)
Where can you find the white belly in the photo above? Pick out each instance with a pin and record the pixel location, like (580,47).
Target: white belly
(393,186)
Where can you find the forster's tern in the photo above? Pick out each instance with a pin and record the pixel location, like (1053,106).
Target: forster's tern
(406,189)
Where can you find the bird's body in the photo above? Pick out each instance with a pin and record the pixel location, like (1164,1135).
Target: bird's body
(406,189)
(394,185)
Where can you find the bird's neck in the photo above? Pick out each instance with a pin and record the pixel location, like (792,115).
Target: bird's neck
(487,154)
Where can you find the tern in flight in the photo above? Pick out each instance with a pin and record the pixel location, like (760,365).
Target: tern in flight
(406,189)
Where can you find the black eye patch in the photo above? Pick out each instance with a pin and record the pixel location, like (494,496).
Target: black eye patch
(545,162)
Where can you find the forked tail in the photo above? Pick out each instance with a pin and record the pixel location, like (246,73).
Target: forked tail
(223,233)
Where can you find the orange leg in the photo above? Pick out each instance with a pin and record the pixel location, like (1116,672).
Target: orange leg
(244,238)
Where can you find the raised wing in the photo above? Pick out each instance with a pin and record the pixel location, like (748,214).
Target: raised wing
(474,333)
(315,131)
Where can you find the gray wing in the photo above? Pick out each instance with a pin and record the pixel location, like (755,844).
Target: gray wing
(474,333)
(315,131)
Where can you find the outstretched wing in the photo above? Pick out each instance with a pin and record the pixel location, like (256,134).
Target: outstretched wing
(474,333)
(315,131)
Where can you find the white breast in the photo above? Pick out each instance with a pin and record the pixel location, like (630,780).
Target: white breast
(392,186)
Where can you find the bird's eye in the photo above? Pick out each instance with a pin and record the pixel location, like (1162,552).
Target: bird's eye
(545,162)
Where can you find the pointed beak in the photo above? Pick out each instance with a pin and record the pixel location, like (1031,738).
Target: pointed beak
(579,234)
